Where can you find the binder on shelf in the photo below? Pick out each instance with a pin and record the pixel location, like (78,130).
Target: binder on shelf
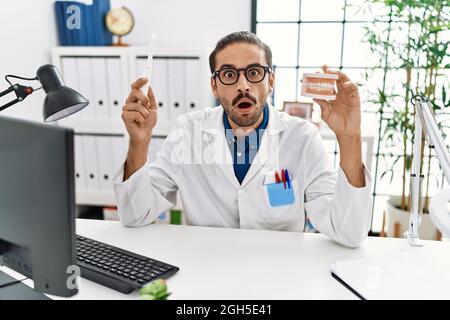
(177,100)
(59,12)
(160,86)
(105,36)
(86,86)
(92,29)
(70,37)
(83,31)
(100,99)
(119,151)
(192,83)
(72,8)
(116,91)
(91,162)
(89,26)
(70,76)
(80,171)
(140,65)
(105,161)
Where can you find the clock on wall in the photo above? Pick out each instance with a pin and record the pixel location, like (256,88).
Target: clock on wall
(120,22)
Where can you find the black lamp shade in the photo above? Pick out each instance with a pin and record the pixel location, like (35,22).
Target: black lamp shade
(61,101)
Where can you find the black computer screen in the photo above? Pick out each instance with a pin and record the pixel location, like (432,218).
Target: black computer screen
(37,203)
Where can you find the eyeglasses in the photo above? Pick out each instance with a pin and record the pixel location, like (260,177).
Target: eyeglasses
(253,74)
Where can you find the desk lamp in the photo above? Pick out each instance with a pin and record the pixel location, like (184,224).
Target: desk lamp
(60,101)
(439,214)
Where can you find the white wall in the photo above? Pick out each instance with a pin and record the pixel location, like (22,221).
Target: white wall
(182,22)
(28,31)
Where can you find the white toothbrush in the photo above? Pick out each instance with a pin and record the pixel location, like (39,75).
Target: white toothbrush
(147,72)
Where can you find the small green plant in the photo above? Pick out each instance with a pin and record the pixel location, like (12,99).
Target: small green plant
(156,290)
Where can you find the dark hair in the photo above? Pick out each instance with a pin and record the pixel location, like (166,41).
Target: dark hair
(236,37)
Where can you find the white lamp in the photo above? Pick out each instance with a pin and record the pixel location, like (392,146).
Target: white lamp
(425,120)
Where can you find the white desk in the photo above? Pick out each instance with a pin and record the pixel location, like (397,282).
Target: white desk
(217,263)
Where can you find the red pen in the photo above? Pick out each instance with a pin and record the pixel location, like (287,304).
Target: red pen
(283,177)
(277,177)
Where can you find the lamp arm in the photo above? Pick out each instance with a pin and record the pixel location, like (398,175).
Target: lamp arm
(438,208)
(21,93)
(426,120)
(10,89)
(434,135)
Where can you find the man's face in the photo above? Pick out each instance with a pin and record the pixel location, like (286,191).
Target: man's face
(243,101)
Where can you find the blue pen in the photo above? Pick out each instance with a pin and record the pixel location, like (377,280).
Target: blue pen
(288,179)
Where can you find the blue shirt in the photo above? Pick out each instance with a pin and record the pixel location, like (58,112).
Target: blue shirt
(244,150)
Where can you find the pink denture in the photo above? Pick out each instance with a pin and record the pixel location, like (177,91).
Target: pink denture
(319,86)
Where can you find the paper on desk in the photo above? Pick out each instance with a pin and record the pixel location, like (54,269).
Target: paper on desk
(394,276)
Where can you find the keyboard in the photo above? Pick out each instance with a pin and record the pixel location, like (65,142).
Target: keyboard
(116,268)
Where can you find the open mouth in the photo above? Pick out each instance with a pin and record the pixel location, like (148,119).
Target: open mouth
(244,105)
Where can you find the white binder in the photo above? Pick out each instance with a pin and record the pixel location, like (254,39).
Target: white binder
(80,172)
(115,88)
(105,161)
(192,84)
(70,76)
(177,100)
(140,65)
(91,163)
(160,83)
(86,86)
(100,101)
(119,152)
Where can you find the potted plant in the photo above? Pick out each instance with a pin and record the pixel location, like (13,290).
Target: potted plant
(155,290)
(411,44)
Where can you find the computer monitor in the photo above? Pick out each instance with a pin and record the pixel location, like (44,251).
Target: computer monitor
(37,204)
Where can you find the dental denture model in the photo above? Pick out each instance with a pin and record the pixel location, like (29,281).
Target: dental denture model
(319,86)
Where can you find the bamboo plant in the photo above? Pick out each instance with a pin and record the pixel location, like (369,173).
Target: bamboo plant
(414,41)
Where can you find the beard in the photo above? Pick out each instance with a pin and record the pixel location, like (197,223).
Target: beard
(232,109)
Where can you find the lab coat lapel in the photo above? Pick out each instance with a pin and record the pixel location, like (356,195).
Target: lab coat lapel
(269,146)
(215,149)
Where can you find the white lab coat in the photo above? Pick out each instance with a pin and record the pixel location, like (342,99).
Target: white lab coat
(196,161)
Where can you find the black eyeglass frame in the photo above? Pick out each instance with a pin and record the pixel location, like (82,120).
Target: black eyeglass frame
(217,72)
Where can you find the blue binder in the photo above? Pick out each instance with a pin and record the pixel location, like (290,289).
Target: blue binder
(105,35)
(92,32)
(89,26)
(83,34)
(68,41)
(74,35)
(60,22)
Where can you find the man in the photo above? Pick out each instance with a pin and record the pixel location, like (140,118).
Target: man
(244,164)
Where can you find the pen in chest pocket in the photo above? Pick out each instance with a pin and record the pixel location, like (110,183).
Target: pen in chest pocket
(283,178)
(277,177)
(288,179)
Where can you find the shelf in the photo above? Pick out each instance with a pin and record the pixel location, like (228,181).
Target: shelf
(94,126)
(102,199)
(124,65)
(95,198)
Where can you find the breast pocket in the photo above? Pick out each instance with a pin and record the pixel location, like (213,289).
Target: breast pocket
(280,194)
(282,205)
